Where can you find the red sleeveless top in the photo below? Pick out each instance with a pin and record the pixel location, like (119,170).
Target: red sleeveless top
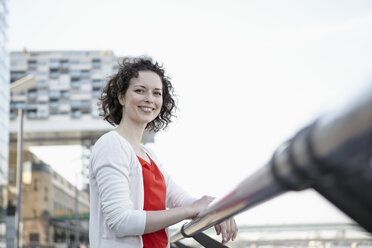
(154,199)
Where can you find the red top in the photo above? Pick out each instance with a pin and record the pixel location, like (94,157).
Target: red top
(154,193)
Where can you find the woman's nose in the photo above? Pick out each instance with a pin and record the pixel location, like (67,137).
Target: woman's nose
(149,97)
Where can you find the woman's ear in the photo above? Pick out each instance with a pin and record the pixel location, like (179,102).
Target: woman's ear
(121,99)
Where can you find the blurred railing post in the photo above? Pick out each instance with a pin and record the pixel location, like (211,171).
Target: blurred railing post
(77,220)
(18,214)
(22,84)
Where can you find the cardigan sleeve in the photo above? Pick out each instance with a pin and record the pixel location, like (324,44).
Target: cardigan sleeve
(110,166)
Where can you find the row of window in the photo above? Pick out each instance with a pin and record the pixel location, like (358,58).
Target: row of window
(43,96)
(54,103)
(55,73)
(59,64)
(75,113)
(61,208)
(76,81)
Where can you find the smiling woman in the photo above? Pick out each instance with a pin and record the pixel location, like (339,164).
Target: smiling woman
(143,99)
(133,199)
(118,85)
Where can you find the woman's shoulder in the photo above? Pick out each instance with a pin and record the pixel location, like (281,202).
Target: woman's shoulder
(111,149)
(111,142)
(111,137)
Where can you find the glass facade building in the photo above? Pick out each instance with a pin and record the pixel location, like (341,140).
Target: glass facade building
(4,96)
(4,116)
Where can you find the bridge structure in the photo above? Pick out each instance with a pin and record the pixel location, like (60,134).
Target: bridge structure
(62,130)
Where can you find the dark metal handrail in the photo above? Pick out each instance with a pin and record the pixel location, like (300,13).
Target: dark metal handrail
(331,155)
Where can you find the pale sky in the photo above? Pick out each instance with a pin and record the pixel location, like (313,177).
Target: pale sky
(248,75)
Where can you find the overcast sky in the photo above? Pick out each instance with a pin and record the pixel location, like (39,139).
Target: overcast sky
(248,75)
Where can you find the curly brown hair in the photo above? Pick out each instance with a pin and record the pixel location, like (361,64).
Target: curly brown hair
(111,109)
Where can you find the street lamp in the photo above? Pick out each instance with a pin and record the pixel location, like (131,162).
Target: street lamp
(16,87)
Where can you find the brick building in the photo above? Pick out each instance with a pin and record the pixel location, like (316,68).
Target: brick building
(48,204)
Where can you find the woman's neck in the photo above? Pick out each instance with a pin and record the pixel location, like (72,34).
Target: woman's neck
(132,133)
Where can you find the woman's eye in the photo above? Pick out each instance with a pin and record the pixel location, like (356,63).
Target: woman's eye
(157,93)
(138,91)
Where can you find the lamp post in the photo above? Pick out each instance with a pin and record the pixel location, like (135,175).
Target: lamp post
(16,87)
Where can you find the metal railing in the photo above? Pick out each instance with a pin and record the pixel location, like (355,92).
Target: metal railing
(332,155)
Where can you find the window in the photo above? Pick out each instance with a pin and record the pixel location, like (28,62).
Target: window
(74,74)
(42,84)
(54,94)
(19,105)
(12,175)
(46,194)
(34,237)
(54,63)
(32,64)
(35,185)
(53,104)
(75,113)
(85,73)
(97,84)
(53,73)
(32,94)
(96,93)
(12,115)
(75,84)
(75,104)
(42,114)
(31,113)
(65,94)
(64,64)
(15,75)
(74,62)
(96,63)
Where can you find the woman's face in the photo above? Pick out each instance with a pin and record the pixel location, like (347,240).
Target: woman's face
(144,98)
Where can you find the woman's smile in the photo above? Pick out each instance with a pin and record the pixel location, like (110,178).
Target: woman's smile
(146,109)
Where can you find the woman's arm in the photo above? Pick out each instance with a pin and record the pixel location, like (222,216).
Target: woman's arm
(157,220)
(124,220)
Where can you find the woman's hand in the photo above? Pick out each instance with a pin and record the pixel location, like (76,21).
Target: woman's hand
(156,220)
(229,230)
(200,205)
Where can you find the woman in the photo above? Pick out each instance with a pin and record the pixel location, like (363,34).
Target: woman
(132,198)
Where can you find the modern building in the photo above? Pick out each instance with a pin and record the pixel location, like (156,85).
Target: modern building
(62,109)
(49,204)
(69,82)
(4,114)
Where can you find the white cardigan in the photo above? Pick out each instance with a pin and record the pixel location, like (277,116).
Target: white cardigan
(117,218)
